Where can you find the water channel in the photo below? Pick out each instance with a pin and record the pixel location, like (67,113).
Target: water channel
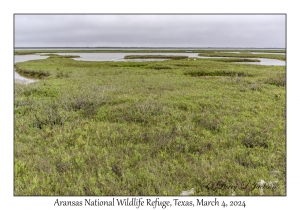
(120,57)
(23,58)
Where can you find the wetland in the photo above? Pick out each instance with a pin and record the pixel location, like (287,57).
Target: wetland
(96,123)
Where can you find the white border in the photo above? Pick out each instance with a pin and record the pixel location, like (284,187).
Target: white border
(8,8)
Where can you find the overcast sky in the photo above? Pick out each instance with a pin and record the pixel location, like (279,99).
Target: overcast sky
(150,30)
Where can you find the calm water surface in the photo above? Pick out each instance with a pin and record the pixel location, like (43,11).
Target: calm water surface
(120,57)
(266,62)
(268,53)
(263,61)
(23,58)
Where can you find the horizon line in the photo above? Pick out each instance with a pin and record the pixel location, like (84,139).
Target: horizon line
(144,47)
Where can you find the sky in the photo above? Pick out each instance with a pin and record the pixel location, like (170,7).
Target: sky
(150,30)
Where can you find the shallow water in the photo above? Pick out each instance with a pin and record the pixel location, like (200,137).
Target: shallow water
(23,58)
(266,62)
(263,61)
(268,53)
(23,80)
(119,56)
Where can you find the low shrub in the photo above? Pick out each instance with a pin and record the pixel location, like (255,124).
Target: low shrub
(279,79)
(200,73)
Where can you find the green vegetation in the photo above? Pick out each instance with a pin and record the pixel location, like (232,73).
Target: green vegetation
(32,73)
(238,51)
(235,60)
(149,128)
(172,57)
(242,55)
(24,52)
(61,56)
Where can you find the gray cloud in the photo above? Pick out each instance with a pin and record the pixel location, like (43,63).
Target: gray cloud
(150,30)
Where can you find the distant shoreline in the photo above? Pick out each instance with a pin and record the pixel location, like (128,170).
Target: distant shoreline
(143,48)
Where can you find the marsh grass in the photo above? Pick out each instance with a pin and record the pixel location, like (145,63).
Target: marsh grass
(242,55)
(172,57)
(159,67)
(279,79)
(51,55)
(235,60)
(150,128)
(200,73)
(33,73)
